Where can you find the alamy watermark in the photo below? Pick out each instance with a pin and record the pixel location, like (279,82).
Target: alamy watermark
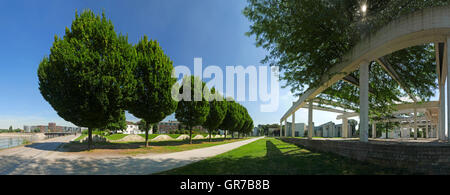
(256,84)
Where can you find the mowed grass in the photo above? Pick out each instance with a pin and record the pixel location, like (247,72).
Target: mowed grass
(116,136)
(82,136)
(135,148)
(274,157)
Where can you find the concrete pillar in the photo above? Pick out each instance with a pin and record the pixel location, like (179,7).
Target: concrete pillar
(310,120)
(446,63)
(415,124)
(441,130)
(281,127)
(364,101)
(285,128)
(345,128)
(426,130)
(293,125)
(374,130)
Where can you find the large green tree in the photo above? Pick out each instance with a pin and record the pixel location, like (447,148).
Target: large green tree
(217,112)
(152,98)
(306,38)
(117,124)
(192,111)
(232,119)
(87,78)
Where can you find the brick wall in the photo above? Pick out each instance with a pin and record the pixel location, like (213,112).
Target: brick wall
(419,159)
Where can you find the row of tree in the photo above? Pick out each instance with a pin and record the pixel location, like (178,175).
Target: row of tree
(212,110)
(93,75)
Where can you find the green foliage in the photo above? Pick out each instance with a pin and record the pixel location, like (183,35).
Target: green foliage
(117,124)
(232,118)
(217,111)
(152,98)
(190,112)
(87,78)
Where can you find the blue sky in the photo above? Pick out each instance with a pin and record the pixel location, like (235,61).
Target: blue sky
(210,29)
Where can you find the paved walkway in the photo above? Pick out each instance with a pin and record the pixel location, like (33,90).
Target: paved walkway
(43,158)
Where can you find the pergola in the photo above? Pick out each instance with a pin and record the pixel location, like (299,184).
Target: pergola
(424,27)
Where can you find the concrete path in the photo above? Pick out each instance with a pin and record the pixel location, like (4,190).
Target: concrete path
(43,158)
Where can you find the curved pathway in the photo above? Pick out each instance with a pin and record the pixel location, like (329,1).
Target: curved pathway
(44,158)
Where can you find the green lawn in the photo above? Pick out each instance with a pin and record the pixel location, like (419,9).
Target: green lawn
(135,148)
(82,136)
(116,136)
(273,157)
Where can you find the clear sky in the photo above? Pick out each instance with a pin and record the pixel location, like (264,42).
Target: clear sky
(210,29)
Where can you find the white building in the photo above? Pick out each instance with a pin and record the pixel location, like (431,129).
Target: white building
(300,129)
(133,129)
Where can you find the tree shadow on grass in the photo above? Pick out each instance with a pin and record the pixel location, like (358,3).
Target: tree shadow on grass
(80,147)
(281,159)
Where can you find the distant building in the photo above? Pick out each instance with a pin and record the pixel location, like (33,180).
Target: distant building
(167,127)
(255,131)
(133,129)
(51,127)
(300,129)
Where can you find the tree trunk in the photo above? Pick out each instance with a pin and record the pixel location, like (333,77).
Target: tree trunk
(89,138)
(239,135)
(210,134)
(387,130)
(146,137)
(190,135)
(225,135)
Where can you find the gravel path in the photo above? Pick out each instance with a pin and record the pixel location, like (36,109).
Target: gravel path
(44,158)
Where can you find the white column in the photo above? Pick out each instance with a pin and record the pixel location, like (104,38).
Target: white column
(415,124)
(446,63)
(310,120)
(364,101)
(345,128)
(293,125)
(281,127)
(285,128)
(374,130)
(441,131)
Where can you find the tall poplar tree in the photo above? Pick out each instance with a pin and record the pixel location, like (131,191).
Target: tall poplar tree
(217,112)
(192,112)
(87,77)
(152,98)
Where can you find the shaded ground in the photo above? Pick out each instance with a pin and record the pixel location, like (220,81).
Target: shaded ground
(45,158)
(136,148)
(274,157)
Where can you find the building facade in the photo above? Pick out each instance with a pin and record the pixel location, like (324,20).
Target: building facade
(300,129)
(170,126)
(51,128)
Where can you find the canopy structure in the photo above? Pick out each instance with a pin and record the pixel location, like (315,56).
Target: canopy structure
(429,26)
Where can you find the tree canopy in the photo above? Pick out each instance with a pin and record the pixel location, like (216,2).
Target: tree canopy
(152,97)
(117,124)
(193,112)
(305,38)
(87,78)
(217,111)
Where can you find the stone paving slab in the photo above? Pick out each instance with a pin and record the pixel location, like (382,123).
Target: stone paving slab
(45,159)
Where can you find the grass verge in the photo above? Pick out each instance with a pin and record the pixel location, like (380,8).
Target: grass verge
(135,148)
(274,157)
